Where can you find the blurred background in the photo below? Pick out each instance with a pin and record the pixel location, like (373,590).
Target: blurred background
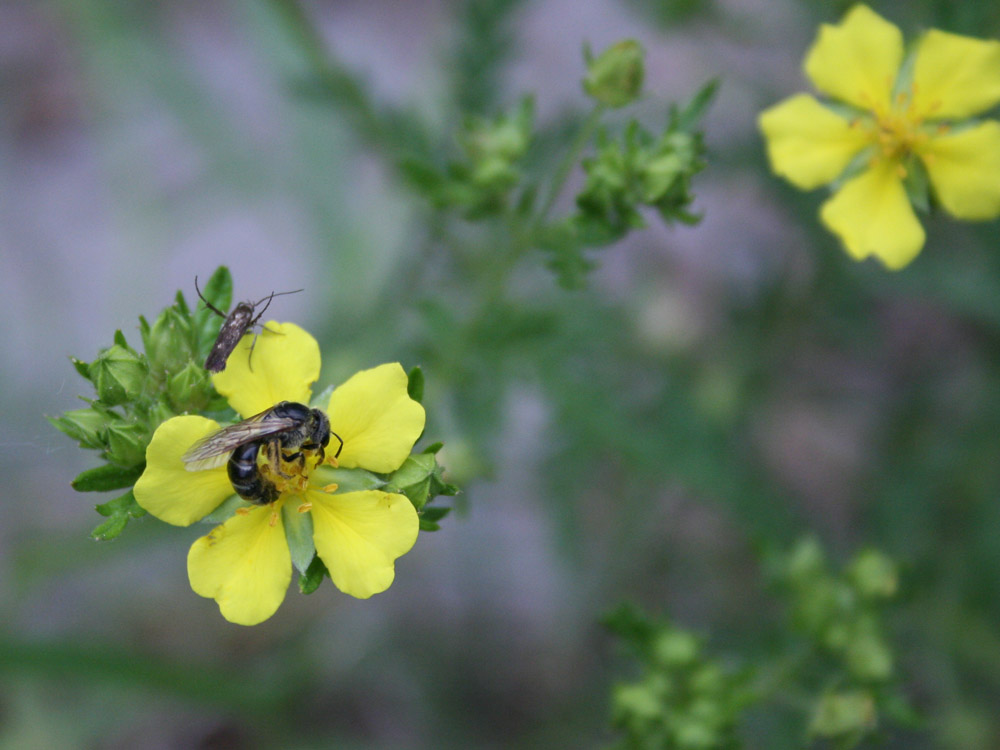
(713,391)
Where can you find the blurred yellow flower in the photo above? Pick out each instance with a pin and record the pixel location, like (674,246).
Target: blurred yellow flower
(894,119)
(245,564)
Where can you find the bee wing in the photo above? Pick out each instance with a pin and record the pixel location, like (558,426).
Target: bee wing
(213,450)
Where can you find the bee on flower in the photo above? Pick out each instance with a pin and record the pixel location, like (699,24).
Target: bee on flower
(894,124)
(245,563)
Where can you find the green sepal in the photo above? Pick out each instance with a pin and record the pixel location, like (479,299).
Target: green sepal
(299,534)
(219,291)
(313,577)
(119,511)
(106,478)
(429,518)
(321,400)
(226,509)
(349,480)
(413,478)
(415,384)
(86,426)
(917,184)
(81,367)
(120,340)
(127,443)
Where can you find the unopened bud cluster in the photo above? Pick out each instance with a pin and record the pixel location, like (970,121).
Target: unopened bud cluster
(136,391)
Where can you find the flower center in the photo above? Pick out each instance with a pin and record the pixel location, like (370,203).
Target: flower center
(292,476)
(899,132)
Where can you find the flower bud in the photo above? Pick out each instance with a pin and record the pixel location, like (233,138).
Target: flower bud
(868,657)
(169,342)
(119,375)
(86,426)
(843,714)
(127,443)
(675,648)
(614,78)
(873,575)
(189,389)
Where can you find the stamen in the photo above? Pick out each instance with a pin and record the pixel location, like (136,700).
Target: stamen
(243,511)
(331,488)
(305,507)
(901,171)
(332,460)
(273,521)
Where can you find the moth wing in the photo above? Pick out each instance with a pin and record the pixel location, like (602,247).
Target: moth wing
(213,450)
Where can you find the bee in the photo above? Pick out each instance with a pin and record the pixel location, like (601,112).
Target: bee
(284,431)
(236,324)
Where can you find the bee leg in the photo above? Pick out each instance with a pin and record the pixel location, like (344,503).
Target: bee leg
(274,459)
(339,440)
(297,457)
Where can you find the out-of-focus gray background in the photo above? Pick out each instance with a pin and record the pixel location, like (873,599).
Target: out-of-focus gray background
(144,144)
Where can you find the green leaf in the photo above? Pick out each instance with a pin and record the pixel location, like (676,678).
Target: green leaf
(429,518)
(219,291)
(106,478)
(119,511)
(686,118)
(299,533)
(415,386)
(313,577)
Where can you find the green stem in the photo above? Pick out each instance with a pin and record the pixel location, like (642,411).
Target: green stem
(340,84)
(569,161)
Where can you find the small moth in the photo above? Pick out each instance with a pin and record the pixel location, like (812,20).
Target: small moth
(236,324)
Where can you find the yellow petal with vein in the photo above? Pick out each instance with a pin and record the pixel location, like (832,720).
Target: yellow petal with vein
(359,535)
(857,61)
(872,216)
(965,170)
(244,565)
(955,76)
(376,418)
(166,488)
(284,366)
(808,144)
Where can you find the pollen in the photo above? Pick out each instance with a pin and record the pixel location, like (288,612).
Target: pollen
(242,511)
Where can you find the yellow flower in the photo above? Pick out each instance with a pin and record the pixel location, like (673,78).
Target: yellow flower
(893,117)
(246,563)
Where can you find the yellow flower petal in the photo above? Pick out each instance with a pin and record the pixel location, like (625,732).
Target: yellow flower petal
(965,170)
(857,61)
(808,144)
(359,535)
(284,366)
(872,216)
(167,489)
(244,565)
(375,417)
(955,76)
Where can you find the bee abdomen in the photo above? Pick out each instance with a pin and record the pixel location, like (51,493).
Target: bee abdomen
(245,476)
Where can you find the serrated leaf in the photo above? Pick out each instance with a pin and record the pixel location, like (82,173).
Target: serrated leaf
(299,534)
(119,511)
(313,577)
(415,384)
(106,478)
